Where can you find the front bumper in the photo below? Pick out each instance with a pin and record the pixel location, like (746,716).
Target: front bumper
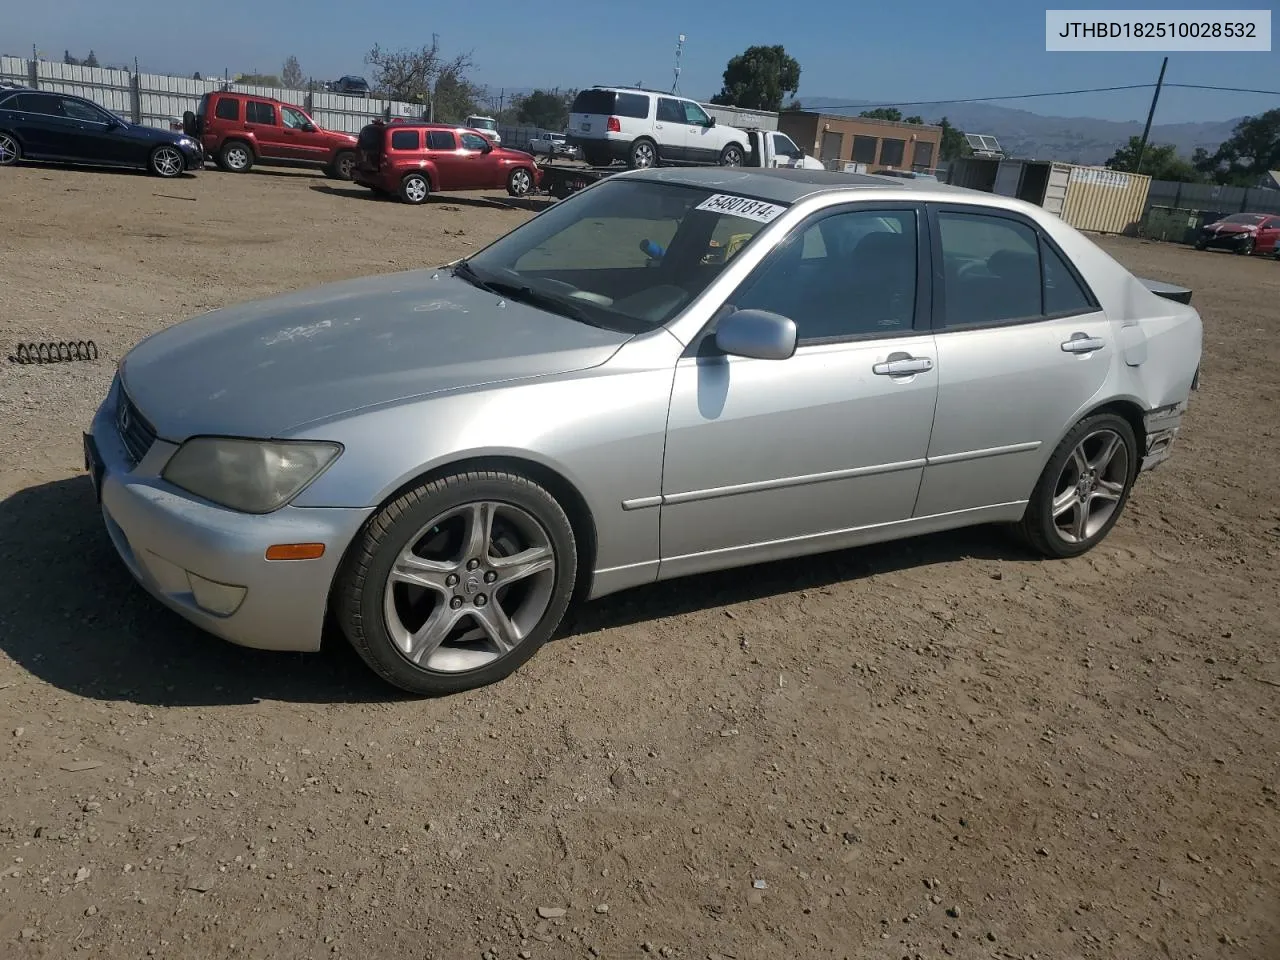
(208,563)
(1223,241)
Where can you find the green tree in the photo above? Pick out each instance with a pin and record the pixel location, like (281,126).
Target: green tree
(793,105)
(758,78)
(69,60)
(196,76)
(882,113)
(411,75)
(258,79)
(1159,161)
(91,60)
(954,145)
(916,119)
(1251,151)
(544,108)
(455,96)
(291,74)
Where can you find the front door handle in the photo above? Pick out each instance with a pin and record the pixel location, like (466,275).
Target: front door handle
(902,365)
(1082,343)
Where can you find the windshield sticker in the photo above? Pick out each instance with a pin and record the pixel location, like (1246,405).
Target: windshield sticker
(741,207)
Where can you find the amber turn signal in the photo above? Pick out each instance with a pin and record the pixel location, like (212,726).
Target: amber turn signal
(295,551)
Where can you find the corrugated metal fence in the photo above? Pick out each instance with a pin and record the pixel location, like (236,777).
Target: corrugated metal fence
(159,100)
(1209,196)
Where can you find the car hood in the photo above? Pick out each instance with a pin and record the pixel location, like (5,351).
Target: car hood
(147,134)
(266,368)
(1232,227)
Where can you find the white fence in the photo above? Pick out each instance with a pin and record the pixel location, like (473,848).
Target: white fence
(158,100)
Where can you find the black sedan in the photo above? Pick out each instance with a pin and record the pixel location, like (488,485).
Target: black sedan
(40,125)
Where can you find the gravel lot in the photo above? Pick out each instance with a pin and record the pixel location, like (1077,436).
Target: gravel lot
(935,748)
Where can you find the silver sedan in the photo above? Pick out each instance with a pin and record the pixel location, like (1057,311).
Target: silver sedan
(671,372)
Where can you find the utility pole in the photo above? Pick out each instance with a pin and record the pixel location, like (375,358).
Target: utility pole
(1146,131)
(675,86)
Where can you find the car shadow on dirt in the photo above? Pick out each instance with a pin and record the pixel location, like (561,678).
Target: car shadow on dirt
(73,616)
(533,204)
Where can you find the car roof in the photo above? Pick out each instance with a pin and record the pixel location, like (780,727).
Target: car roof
(788,185)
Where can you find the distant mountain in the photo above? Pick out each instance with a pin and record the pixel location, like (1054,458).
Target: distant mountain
(1068,139)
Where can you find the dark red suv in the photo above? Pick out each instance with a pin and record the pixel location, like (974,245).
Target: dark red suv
(411,159)
(239,130)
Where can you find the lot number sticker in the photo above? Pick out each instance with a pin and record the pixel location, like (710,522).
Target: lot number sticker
(741,207)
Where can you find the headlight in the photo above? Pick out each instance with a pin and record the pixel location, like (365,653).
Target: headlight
(253,476)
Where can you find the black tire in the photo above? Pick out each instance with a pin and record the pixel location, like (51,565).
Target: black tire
(361,584)
(1038,527)
(415,188)
(1246,249)
(1201,244)
(342,167)
(520,182)
(166,161)
(643,154)
(10,149)
(731,156)
(236,156)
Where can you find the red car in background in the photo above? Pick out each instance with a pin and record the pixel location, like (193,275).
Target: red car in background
(239,130)
(412,159)
(1242,233)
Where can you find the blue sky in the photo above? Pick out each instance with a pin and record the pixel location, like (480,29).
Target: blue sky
(919,50)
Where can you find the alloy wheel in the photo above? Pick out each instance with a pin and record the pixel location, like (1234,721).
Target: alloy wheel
(237,158)
(1089,488)
(469,586)
(167,162)
(644,156)
(520,182)
(416,189)
(9,152)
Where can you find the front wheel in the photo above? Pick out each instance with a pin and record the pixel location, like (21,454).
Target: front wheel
(167,162)
(520,183)
(457,583)
(1246,249)
(1083,488)
(731,156)
(415,189)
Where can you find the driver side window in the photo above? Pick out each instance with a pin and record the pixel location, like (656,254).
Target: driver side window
(849,274)
(694,114)
(473,141)
(292,118)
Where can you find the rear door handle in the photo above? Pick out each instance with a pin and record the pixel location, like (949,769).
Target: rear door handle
(1082,343)
(902,365)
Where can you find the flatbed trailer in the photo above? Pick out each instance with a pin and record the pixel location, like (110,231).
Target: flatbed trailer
(564,179)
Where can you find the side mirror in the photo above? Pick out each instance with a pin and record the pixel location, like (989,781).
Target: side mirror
(757,334)
(488,145)
(711,121)
(308,128)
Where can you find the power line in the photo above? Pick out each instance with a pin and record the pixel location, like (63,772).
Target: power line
(1052,93)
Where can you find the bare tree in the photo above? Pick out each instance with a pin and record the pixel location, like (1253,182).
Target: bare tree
(412,75)
(292,73)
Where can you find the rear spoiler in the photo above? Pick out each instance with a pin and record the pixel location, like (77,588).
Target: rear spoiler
(1169,291)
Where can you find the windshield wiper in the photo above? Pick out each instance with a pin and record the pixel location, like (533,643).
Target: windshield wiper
(468,273)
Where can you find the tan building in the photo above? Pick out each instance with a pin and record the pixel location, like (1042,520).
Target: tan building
(880,144)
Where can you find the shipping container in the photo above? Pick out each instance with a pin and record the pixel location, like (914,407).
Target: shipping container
(975,173)
(1008,177)
(1104,201)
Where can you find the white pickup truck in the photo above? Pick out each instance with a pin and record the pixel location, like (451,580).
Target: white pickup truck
(765,148)
(553,145)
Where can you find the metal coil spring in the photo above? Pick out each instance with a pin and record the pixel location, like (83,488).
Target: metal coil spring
(58,351)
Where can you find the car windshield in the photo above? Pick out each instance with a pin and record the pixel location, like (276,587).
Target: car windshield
(1243,218)
(479,124)
(626,254)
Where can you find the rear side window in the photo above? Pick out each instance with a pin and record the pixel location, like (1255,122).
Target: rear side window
(1062,292)
(441,140)
(670,111)
(404,140)
(635,105)
(226,108)
(255,111)
(593,101)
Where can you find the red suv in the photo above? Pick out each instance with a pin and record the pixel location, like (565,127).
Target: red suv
(239,130)
(411,159)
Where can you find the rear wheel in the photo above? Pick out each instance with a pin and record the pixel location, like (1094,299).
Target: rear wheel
(235,156)
(10,149)
(415,189)
(1083,489)
(520,183)
(644,154)
(458,583)
(342,166)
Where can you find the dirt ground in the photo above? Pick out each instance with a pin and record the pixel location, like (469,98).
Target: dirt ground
(940,748)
